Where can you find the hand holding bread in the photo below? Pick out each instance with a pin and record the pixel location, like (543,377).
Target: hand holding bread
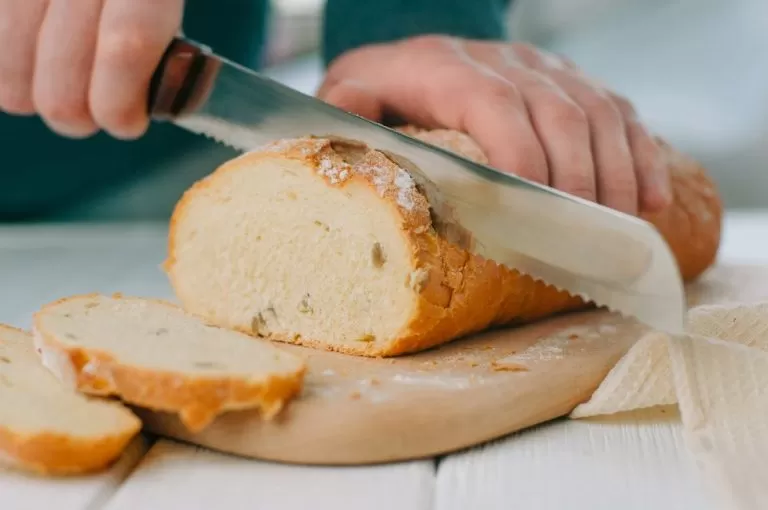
(532,113)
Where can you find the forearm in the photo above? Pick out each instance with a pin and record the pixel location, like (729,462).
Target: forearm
(353,23)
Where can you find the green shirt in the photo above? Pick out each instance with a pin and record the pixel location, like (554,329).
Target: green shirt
(43,175)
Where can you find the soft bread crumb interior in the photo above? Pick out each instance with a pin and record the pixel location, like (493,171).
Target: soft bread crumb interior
(158,336)
(272,248)
(32,401)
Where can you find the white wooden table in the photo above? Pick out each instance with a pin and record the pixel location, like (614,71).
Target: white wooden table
(636,462)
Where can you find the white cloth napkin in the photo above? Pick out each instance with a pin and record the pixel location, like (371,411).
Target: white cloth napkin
(717,374)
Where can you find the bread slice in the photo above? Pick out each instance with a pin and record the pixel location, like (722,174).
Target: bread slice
(47,428)
(332,244)
(152,354)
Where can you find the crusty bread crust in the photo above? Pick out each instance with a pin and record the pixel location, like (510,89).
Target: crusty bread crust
(197,400)
(58,454)
(461,293)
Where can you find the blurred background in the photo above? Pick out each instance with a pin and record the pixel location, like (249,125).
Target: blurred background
(697,71)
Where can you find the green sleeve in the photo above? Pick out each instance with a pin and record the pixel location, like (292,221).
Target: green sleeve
(353,23)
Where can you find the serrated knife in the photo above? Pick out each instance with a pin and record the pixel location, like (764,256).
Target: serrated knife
(613,259)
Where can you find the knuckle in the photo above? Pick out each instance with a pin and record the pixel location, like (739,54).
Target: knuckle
(127,46)
(528,54)
(524,50)
(568,114)
(497,89)
(624,105)
(599,106)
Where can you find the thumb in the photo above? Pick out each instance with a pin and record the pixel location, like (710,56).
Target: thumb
(353,97)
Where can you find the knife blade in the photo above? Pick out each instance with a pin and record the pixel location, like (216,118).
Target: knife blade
(612,259)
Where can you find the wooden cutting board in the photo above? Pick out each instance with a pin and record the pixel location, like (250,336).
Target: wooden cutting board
(357,410)
(360,410)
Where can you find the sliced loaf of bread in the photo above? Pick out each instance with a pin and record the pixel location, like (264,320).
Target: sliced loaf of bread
(50,429)
(332,244)
(152,354)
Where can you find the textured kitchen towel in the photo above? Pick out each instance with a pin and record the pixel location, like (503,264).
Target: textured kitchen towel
(717,374)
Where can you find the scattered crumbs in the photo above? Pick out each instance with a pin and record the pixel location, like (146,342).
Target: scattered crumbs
(355,395)
(258,237)
(473,364)
(88,306)
(607,329)
(70,336)
(505,366)
(291,195)
(161,331)
(556,346)
(367,338)
(3,359)
(487,348)
(68,315)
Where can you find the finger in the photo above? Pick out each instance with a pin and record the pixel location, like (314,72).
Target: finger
(653,178)
(353,97)
(63,66)
(496,117)
(19,26)
(131,41)
(559,122)
(617,185)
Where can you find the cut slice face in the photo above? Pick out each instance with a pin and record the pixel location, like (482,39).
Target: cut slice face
(48,428)
(153,354)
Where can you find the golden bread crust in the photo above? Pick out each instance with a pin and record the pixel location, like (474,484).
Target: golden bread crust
(461,293)
(197,400)
(49,453)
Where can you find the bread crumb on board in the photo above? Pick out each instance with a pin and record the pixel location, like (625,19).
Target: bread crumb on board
(508,366)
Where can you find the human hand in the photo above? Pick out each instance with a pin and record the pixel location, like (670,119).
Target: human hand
(83,65)
(533,114)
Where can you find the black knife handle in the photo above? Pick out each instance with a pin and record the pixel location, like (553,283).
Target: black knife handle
(178,84)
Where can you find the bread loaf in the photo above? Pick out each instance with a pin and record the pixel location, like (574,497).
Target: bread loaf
(330,244)
(153,354)
(47,428)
